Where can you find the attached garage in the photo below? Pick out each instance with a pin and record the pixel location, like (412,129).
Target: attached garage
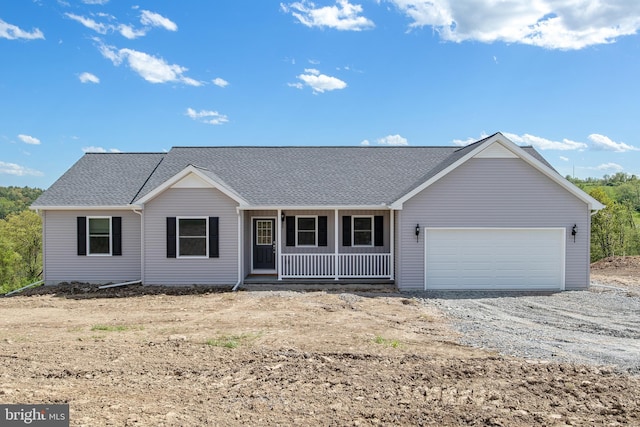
(495,258)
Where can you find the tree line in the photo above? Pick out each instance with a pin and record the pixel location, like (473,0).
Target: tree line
(20,238)
(615,230)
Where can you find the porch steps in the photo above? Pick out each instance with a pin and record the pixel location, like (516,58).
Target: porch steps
(271,283)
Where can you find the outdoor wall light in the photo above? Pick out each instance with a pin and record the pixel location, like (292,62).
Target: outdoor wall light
(574,231)
(417,232)
(282,216)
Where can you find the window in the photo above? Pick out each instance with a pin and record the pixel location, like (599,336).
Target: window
(362,231)
(192,237)
(306,231)
(264,232)
(99,235)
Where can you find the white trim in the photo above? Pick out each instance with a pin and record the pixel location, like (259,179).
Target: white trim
(200,174)
(372,230)
(273,236)
(206,237)
(88,237)
(518,151)
(86,208)
(382,207)
(315,217)
(279,223)
(240,244)
(562,230)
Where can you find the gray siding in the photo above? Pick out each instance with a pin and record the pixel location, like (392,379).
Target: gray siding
(176,202)
(492,193)
(61,260)
(329,249)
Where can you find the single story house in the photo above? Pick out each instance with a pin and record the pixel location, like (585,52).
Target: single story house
(491,215)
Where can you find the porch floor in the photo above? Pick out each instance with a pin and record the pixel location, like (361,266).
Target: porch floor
(254,282)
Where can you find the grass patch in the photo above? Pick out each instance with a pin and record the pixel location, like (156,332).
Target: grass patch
(386,342)
(114,328)
(230,341)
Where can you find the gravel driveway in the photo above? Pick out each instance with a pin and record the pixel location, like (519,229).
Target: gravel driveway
(598,327)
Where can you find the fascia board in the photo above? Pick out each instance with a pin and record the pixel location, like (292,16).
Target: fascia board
(315,207)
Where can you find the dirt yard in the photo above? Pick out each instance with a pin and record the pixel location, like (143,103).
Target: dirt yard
(285,358)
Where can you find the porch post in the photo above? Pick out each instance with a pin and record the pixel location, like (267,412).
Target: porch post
(336,257)
(279,243)
(240,244)
(392,240)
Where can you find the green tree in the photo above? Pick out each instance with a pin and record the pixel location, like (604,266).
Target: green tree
(9,264)
(20,249)
(610,227)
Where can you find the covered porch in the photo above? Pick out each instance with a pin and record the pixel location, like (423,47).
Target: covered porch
(340,244)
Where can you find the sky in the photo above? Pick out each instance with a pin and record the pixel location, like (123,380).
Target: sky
(81,76)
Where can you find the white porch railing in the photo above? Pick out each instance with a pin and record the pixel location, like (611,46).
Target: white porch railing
(352,266)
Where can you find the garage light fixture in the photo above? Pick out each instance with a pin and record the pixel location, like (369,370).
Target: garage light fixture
(417,232)
(574,231)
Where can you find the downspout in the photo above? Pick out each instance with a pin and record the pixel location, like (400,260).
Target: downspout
(392,226)
(336,255)
(142,246)
(240,245)
(279,243)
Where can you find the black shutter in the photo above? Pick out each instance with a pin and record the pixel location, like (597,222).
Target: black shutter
(116,236)
(171,237)
(214,251)
(346,230)
(82,235)
(378,229)
(291,230)
(322,231)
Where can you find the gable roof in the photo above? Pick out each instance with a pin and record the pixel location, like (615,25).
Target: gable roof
(101,180)
(273,176)
(527,154)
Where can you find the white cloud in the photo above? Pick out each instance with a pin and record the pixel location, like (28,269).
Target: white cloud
(392,140)
(320,82)
(209,117)
(94,149)
(88,78)
(465,142)
(150,68)
(220,82)
(153,19)
(12,32)
(297,85)
(365,142)
(17,170)
(98,27)
(545,144)
(27,139)
(131,33)
(342,16)
(608,167)
(95,1)
(552,24)
(564,159)
(601,142)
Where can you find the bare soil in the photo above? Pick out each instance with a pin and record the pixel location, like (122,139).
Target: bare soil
(137,356)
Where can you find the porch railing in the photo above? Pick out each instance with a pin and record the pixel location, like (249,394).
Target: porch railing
(324,266)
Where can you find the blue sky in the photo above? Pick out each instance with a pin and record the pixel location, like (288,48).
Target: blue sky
(107,75)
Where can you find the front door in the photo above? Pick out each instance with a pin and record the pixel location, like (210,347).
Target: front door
(264,244)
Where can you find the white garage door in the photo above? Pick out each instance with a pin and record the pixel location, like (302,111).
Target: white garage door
(494,258)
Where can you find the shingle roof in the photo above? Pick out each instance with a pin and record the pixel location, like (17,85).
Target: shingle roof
(101,179)
(263,176)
